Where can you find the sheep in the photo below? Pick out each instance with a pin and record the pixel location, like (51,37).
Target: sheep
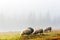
(28,31)
(48,29)
(40,31)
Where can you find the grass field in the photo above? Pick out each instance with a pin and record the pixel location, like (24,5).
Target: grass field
(54,35)
(10,36)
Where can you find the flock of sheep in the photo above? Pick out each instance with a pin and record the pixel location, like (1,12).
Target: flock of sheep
(30,30)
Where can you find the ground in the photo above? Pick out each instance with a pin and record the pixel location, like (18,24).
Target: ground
(54,35)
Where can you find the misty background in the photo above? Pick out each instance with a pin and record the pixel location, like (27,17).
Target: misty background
(16,15)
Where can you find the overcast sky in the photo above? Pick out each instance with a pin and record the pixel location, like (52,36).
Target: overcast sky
(16,15)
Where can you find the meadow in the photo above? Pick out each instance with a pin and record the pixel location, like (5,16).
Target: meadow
(9,35)
(54,35)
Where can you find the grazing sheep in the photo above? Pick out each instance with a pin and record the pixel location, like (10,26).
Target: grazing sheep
(40,31)
(48,29)
(28,31)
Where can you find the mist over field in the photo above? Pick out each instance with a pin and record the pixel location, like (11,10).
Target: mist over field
(16,15)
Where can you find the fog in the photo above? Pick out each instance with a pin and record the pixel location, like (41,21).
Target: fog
(16,15)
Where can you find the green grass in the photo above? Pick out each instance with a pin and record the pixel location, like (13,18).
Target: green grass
(10,36)
(18,36)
